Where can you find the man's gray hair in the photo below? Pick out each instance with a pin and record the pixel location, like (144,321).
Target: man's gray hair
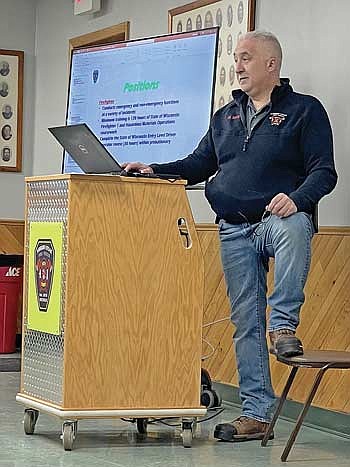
(265,36)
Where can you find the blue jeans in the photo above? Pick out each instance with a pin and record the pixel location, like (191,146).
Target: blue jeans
(245,258)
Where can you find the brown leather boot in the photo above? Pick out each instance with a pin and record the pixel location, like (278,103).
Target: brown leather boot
(241,429)
(284,343)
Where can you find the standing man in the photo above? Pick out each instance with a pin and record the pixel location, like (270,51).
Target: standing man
(269,154)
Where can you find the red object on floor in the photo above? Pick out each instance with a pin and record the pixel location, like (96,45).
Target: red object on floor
(10,292)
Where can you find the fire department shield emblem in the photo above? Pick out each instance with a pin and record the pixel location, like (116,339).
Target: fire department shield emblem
(44,262)
(277,118)
(95,75)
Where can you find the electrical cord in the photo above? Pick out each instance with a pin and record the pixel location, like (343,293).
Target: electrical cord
(214,322)
(213,349)
(218,411)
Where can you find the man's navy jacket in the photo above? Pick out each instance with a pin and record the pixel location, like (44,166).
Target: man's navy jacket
(289,151)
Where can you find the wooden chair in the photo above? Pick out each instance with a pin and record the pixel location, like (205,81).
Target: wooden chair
(322,359)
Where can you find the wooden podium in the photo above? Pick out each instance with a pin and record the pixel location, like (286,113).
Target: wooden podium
(130,306)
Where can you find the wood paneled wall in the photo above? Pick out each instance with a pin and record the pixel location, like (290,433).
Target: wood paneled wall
(325,317)
(11,237)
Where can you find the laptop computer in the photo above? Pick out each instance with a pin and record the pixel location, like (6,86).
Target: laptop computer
(91,155)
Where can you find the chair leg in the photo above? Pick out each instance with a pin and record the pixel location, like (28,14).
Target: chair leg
(280,405)
(302,414)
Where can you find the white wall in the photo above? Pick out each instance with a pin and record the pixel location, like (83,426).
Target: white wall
(315,42)
(17,32)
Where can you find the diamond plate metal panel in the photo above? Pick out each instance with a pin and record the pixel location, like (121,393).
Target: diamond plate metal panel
(47,201)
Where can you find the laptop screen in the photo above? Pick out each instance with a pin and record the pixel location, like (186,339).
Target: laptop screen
(91,156)
(85,149)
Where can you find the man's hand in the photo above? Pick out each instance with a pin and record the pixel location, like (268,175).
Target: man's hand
(281,205)
(137,167)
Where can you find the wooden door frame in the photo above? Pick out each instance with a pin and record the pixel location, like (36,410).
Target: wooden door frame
(119,32)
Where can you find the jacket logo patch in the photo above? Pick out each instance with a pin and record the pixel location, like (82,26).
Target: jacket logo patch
(233,117)
(277,118)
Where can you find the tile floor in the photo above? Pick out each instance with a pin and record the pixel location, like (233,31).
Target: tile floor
(10,362)
(107,443)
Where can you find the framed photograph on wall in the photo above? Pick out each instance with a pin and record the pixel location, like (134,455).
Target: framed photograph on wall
(11,109)
(234,17)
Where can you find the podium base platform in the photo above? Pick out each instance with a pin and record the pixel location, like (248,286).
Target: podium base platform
(70,418)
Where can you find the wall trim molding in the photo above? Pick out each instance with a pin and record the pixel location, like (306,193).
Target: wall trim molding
(334,231)
(329,230)
(11,222)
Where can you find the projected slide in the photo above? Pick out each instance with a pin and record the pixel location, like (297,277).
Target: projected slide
(147,100)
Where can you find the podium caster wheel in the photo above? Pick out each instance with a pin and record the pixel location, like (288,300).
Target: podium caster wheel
(210,398)
(141,424)
(207,398)
(187,438)
(187,433)
(68,435)
(30,418)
